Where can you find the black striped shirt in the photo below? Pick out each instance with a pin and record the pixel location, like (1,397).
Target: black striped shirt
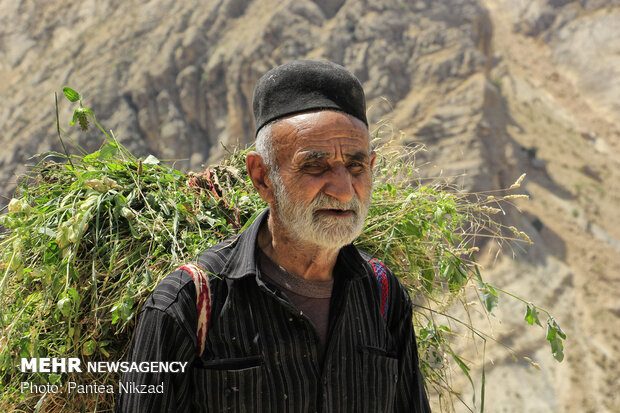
(263,356)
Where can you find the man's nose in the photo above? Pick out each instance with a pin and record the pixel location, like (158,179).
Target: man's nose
(339,184)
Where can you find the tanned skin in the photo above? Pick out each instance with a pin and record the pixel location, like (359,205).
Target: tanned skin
(322,151)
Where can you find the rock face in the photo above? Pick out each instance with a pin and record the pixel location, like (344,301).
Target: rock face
(176,78)
(492,88)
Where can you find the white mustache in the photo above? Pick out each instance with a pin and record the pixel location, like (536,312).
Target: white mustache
(323,201)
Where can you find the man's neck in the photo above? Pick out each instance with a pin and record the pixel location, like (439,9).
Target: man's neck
(307,261)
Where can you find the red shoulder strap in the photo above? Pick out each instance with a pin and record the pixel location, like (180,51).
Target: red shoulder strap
(203,302)
(384,290)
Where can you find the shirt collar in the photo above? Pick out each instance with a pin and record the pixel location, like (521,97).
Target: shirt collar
(244,262)
(243,258)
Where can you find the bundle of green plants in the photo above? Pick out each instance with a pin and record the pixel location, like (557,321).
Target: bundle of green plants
(87,238)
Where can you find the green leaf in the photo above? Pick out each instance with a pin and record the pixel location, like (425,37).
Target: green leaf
(439,218)
(76,115)
(465,369)
(53,378)
(558,329)
(428,276)
(444,328)
(476,270)
(89,159)
(89,347)
(74,295)
(551,331)
(489,297)
(151,160)
(133,231)
(126,212)
(448,269)
(69,302)
(65,306)
(164,207)
(47,231)
(122,310)
(71,94)
(531,315)
(557,349)
(555,336)
(455,275)
(108,151)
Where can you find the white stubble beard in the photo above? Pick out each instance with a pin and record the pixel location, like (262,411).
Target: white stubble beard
(303,224)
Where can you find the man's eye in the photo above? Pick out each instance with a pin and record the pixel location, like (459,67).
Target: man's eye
(313,168)
(356,166)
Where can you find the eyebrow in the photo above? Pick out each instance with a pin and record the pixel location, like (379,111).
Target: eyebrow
(315,155)
(359,156)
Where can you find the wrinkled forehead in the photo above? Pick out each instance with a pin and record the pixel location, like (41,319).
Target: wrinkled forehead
(324,133)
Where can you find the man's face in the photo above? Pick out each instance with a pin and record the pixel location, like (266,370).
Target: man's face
(323,187)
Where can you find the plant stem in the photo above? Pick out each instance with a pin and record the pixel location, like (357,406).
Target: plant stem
(4,278)
(58,131)
(522,300)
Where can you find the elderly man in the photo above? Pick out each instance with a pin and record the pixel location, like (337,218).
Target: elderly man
(289,316)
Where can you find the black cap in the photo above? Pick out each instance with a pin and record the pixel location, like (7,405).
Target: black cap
(304,85)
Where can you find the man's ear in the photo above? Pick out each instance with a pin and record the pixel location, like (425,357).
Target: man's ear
(259,174)
(373,157)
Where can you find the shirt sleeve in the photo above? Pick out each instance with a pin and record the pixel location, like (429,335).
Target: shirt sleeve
(160,336)
(410,393)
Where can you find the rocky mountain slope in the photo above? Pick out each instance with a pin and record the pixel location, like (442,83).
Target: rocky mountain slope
(557,72)
(493,88)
